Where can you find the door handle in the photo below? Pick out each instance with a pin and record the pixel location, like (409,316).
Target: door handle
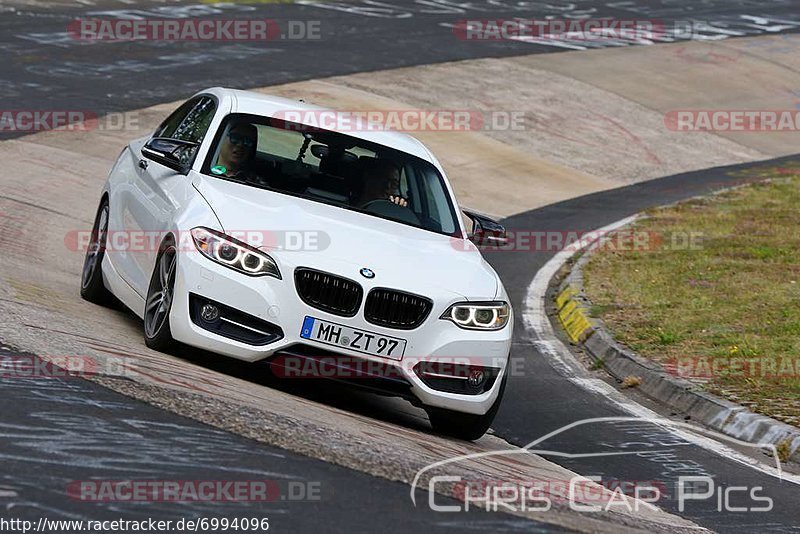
(143,163)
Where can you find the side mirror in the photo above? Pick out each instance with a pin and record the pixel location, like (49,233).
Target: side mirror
(486,231)
(176,154)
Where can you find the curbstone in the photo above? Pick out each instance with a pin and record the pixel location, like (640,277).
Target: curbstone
(573,315)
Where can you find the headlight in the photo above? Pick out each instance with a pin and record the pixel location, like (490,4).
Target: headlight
(478,315)
(234,254)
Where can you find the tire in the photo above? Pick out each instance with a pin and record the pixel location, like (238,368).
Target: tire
(461,425)
(92,287)
(160,293)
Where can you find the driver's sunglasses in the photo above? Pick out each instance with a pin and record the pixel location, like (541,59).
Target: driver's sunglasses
(239,139)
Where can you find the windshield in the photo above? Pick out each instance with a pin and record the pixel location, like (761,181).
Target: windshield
(332,168)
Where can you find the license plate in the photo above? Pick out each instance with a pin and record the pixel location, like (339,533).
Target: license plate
(340,335)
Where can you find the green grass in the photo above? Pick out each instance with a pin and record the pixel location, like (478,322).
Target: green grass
(733,295)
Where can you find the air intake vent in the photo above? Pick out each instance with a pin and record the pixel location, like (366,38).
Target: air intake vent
(328,292)
(396,309)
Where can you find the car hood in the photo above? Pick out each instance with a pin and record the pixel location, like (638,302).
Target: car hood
(299,232)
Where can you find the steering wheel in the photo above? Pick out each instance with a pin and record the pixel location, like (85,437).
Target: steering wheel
(390,210)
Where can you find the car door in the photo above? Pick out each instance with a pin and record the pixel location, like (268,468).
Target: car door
(157,191)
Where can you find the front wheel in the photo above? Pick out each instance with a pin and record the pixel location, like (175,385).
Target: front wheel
(157,334)
(461,425)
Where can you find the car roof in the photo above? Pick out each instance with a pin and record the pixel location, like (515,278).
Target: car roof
(254,103)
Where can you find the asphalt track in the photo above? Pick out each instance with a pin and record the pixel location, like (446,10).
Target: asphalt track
(52,70)
(550,401)
(66,74)
(66,430)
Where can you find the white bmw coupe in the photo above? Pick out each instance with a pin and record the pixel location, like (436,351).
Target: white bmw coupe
(331,253)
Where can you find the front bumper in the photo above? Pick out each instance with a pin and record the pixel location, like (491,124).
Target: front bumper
(276,302)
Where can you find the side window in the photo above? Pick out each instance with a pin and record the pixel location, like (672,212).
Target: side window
(190,122)
(195,125)
(283,143)
(171,123)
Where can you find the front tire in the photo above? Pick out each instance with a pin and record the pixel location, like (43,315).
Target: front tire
(92,287)
(461,425)
(157,333)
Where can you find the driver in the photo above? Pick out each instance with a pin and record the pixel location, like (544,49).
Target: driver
(237,153)
(381,182)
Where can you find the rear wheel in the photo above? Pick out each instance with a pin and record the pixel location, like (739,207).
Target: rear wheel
(465,426)
(92,287)
(157,334)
